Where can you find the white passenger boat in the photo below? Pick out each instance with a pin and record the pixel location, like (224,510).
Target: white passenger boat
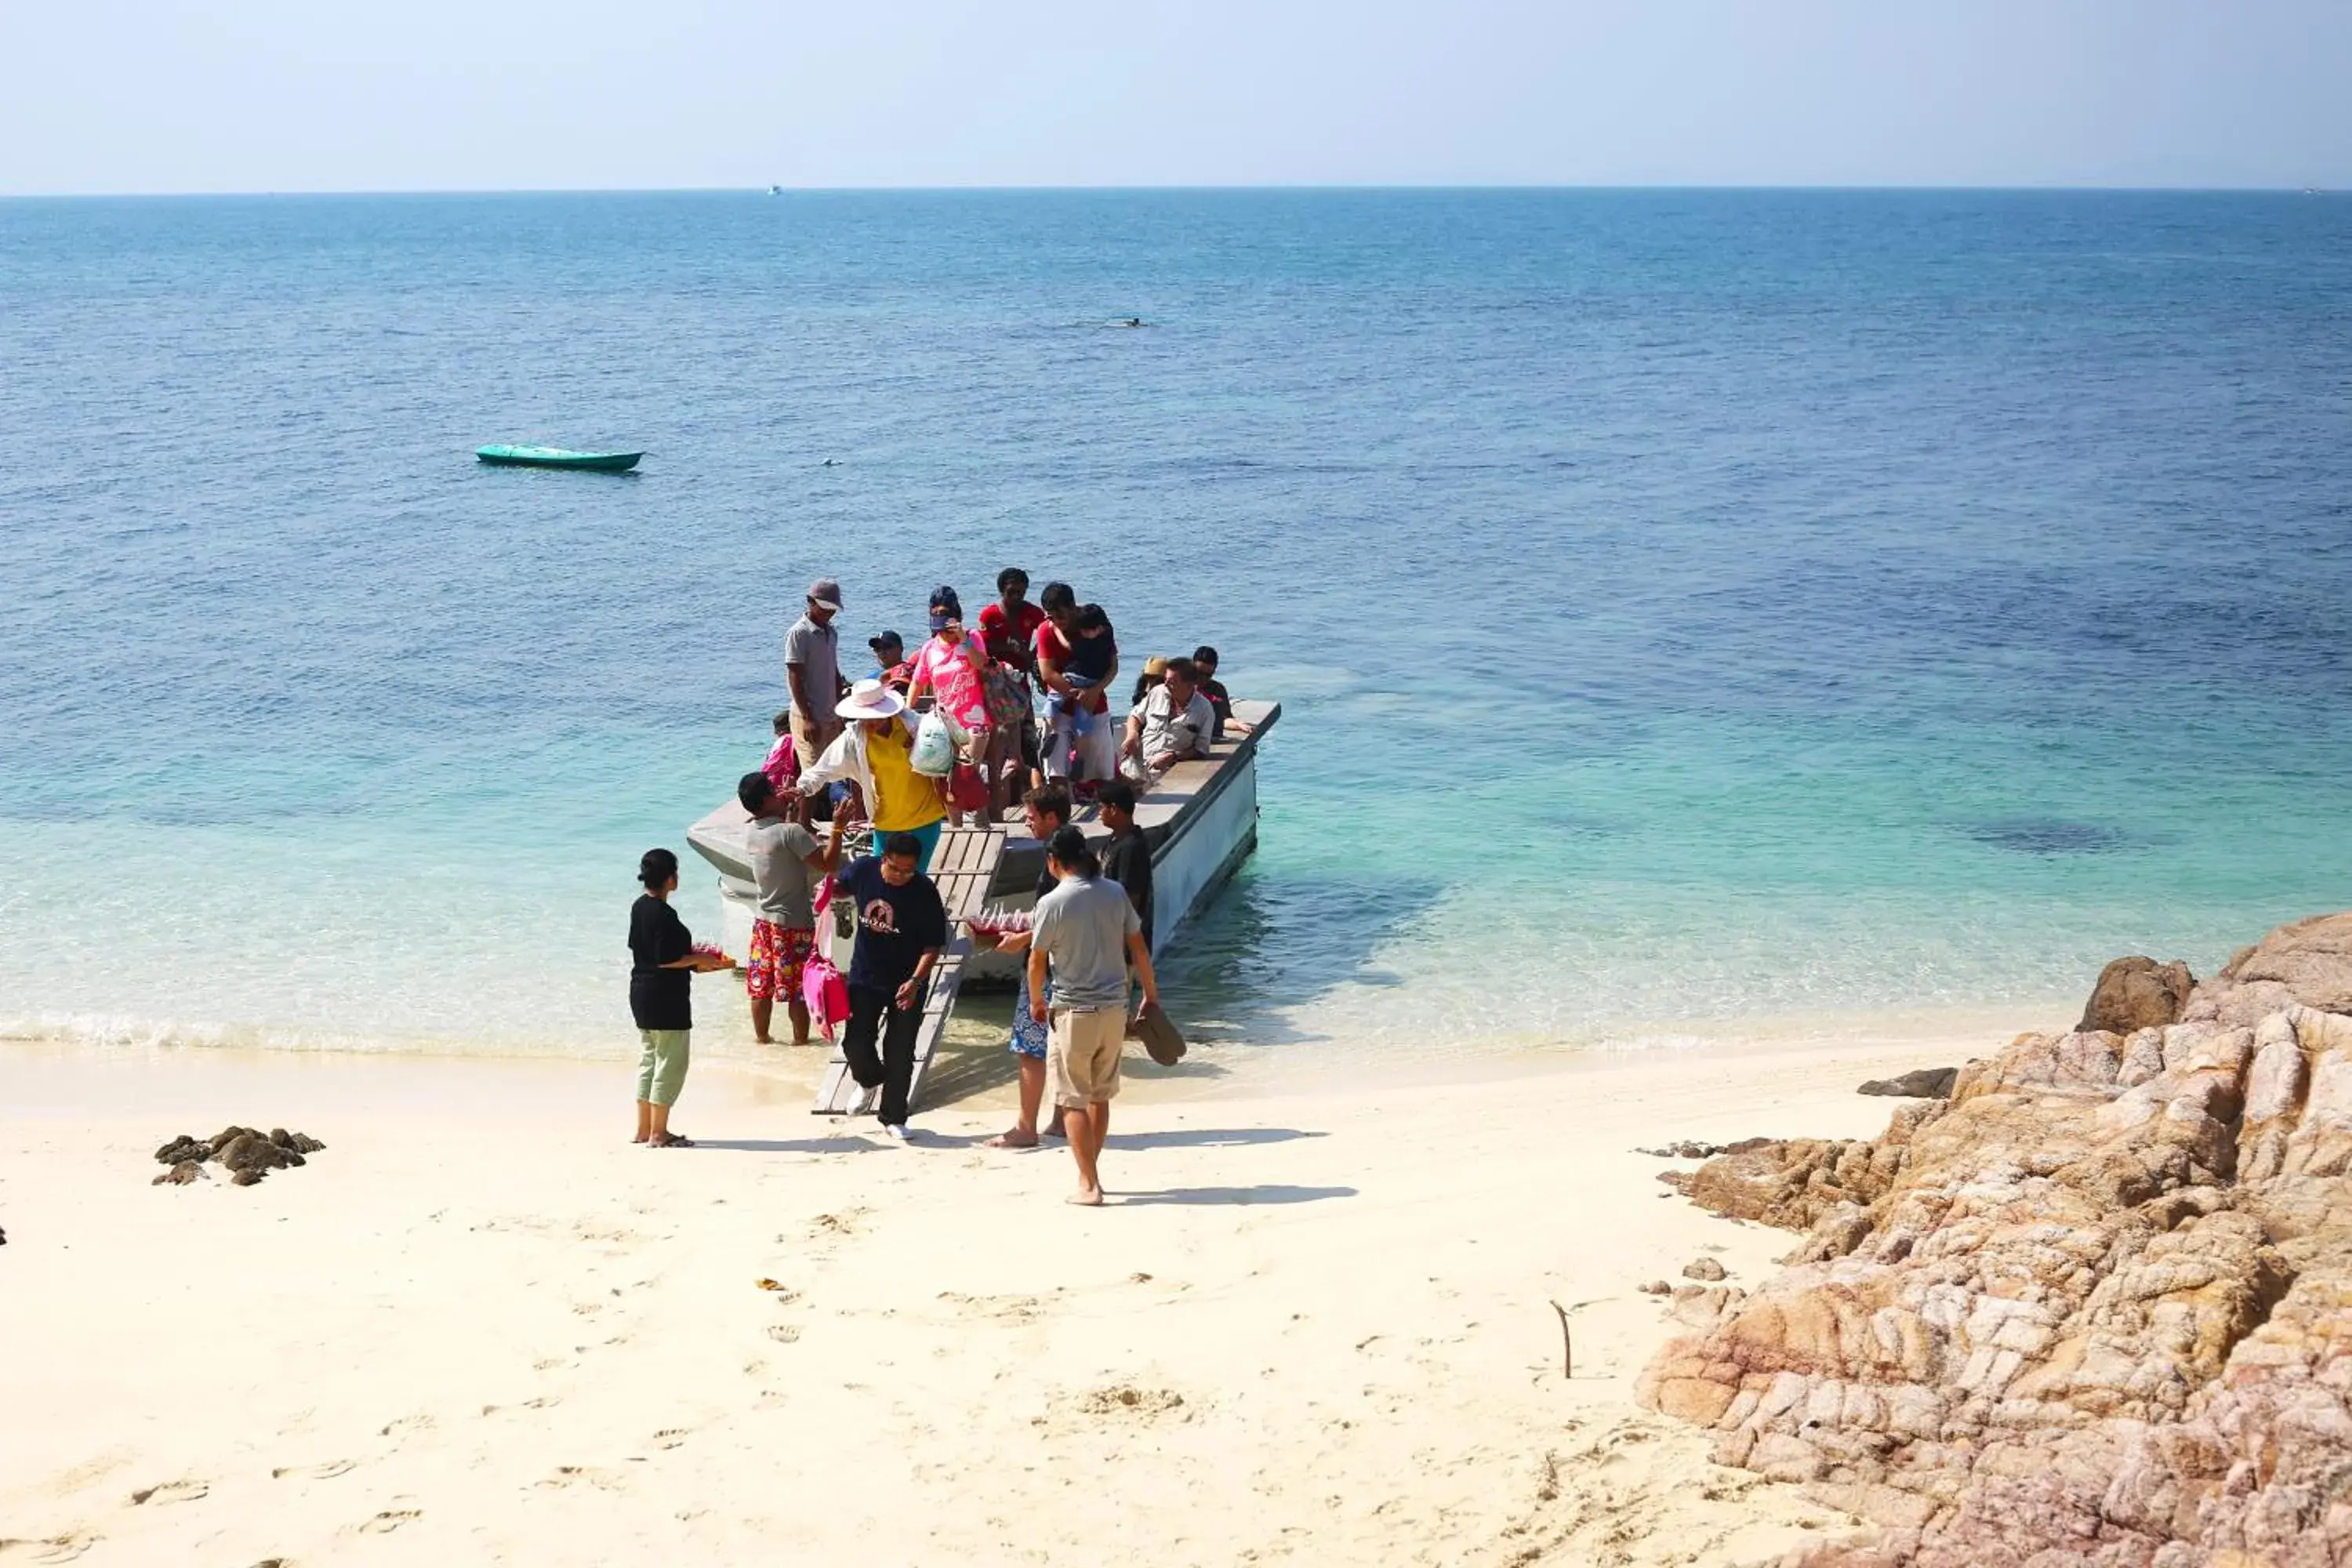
(1201,818)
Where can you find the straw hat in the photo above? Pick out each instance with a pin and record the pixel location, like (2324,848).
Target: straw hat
(870,699)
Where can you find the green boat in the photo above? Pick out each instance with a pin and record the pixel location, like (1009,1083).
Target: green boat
(557,458)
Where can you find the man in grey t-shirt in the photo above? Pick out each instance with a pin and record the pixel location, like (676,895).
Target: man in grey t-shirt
(786,868)
(1087,932)
(813,672)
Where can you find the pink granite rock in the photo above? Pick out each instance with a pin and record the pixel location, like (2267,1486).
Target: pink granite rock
(2096,1309)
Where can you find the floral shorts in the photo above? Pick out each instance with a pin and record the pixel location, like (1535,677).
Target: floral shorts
(1029,1036)
(777,955)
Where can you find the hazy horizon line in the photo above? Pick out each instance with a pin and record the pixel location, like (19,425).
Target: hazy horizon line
(2084,187)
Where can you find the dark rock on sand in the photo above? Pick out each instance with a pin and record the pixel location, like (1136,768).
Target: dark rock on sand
(180,1175)
(253,1152)
(1703,1269)
(2094,1311)
(244,1150)
(1922,1083)
(2135,993)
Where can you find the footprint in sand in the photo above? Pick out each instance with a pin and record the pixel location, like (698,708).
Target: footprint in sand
(171,1491)
(57,1548)
(326,1471)
(996,1308)
(843,1225)
(406,1424)
(670,1439)
(784,1333)
(575,1475)
(390,1519)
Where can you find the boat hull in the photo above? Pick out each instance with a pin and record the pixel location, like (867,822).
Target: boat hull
(556,458)
(1202,820)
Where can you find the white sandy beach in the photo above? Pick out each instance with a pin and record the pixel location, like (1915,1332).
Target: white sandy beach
(1315,1325)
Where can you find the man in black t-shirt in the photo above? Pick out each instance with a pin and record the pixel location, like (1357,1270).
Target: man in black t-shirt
(901,926)
(1128,860)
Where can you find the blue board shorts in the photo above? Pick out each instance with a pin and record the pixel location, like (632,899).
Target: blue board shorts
(1029,1035)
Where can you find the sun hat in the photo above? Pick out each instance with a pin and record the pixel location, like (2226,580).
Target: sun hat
(870,699)
(1156,666)
(825,594)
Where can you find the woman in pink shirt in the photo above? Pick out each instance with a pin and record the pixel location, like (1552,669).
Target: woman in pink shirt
(952,668)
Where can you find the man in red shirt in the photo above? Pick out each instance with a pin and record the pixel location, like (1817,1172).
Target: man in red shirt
(1007,628)
(1077,642)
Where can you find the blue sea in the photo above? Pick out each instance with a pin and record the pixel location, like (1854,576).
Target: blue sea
(1687,608)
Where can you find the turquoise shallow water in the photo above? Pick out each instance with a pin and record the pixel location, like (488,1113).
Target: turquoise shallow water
(1686,606)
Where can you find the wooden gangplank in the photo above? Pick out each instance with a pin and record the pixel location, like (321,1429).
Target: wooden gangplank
(963,866)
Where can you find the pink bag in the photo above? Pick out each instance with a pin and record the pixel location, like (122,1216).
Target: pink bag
(822,985)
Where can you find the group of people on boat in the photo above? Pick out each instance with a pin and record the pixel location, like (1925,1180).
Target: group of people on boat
(950,734)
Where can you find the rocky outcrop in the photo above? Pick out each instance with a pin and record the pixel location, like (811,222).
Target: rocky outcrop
(2135,993)
(2096,1309)
(245,1153)
(1921,1083)
(2308,964)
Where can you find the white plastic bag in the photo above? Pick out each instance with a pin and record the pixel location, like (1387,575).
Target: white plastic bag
(934,753)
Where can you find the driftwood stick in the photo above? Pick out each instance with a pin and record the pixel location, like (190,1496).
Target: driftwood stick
(1567,1345)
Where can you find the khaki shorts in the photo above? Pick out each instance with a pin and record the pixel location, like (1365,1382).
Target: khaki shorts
(1083,1054)
(809,740)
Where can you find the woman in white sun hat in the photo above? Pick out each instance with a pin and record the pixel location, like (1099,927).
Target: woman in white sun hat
(875,752)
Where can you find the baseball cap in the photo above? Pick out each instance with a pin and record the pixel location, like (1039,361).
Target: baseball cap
(825,594)
(881,640)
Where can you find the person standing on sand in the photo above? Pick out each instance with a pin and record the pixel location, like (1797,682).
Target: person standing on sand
(1084,937)
(662,965)
(901,926)
(1047,810)
(813,672)
(787,868)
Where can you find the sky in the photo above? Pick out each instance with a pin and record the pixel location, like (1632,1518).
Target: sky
(134,96)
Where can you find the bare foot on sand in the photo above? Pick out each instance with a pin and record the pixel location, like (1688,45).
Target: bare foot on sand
(1013,1138)
(1085,1197)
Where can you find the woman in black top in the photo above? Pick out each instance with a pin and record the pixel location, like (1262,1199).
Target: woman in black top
(662,962)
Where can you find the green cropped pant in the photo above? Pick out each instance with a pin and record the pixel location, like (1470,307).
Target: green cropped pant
(661,1069)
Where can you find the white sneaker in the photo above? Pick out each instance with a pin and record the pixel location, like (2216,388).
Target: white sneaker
(896,1130)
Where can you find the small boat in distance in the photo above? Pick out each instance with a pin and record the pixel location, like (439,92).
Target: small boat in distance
(557,458)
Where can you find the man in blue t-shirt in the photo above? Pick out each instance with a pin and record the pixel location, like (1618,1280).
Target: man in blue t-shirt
(901,926)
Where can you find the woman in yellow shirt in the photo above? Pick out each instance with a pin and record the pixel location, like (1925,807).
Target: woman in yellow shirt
(875,752)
